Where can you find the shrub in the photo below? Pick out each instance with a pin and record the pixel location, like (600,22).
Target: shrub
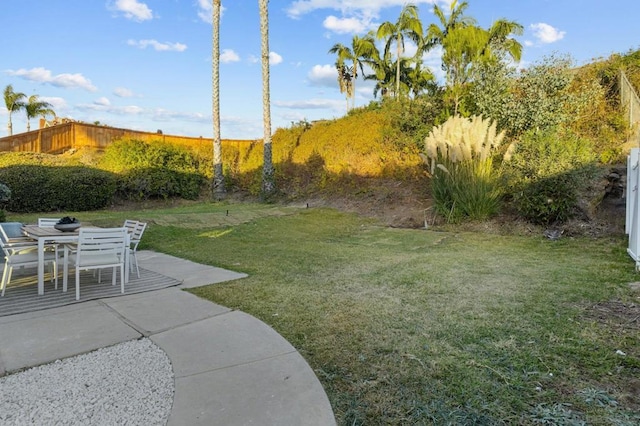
(128,154)
(459,154)
(410,121)
(42,188)
(5,196)
(155,169)
(547,173)
(142,184)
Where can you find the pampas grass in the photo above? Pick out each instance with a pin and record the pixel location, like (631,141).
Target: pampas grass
(460,155)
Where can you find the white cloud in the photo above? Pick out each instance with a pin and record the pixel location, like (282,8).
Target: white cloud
(367,8)
(134,10)
(345,25)
(228,55)
(164,115)
(205,11)
(57,102)
(546,34)
(160,47)
(66,80)
(274,58)
(113,109)
(311,104)
(323,75)
(102,101)
(123,92)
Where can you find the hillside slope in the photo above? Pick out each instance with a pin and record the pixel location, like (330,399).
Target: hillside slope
(348,164)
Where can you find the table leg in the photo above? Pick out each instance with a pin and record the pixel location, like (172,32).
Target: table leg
(65,268)
(40,266)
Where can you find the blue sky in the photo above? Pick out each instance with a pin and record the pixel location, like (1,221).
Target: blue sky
(146,64)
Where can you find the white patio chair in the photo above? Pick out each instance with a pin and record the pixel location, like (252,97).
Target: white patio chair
(47,222)
(135,229)
(100,248)
(20,251)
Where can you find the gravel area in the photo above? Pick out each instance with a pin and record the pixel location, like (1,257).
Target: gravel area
(130,383)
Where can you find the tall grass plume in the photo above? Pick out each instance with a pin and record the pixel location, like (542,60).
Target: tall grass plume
(459,154)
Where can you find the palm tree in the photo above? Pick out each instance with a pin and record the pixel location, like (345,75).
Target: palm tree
(500,43)
(385,75)
(408,25)
(420,80)
(13,101)
(218,176)
(464,43)
(34,108)
(268,178)
(435,34)
(345,81)
(362,48)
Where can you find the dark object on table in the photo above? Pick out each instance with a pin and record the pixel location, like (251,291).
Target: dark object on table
(67,224)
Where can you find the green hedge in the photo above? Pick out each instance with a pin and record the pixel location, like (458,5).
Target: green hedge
(37,188)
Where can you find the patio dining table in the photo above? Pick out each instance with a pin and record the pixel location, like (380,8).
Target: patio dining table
(51,235)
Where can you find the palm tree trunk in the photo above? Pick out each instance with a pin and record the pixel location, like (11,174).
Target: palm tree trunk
(268,181)
(218,177)
(355,76)
(398,67)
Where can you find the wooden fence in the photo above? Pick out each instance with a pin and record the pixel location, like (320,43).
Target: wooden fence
(63,137)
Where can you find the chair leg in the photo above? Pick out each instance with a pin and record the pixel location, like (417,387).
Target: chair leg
(135,259)
(8,279)
(77,283)
(65,269)
(114,270)
(5,273)
(122,273)
(54,266)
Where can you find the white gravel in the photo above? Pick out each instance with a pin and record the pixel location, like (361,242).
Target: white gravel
(130,383)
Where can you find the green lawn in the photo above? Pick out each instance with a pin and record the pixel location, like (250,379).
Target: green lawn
(423,327)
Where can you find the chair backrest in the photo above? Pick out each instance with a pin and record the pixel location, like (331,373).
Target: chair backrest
(11,231)
(47,222)
(138,231)
(13,241)
(130,225)
(97,244)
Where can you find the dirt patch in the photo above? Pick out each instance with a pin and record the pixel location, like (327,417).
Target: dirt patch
(402,205)
(615,314)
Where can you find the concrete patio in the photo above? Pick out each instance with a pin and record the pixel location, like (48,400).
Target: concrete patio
(229,367)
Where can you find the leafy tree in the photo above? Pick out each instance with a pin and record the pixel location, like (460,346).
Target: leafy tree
(536,98)
(408,26)
(14,102)
(465,44)
(268,178)
(34,107)
(218,176)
